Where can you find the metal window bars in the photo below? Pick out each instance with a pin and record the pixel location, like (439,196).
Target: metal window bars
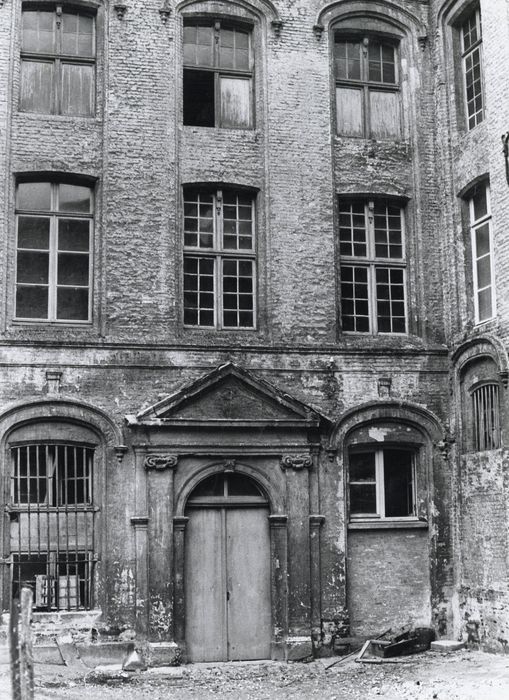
(52,531)
(486,417)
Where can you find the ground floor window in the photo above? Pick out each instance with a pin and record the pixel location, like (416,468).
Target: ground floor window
(52,523)
(381,483)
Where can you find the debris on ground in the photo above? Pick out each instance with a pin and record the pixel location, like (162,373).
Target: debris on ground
(400,643)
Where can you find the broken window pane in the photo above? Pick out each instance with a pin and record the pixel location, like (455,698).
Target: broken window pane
(199,109)
(398,473)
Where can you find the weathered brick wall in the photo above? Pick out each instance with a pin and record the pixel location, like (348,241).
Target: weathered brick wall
(463,157)
(388,581)
(136,350)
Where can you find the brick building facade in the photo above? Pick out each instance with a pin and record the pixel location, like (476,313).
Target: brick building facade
(254,326)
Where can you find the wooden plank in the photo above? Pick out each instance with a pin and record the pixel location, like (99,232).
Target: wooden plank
(384,113)
(248,580)
(349,111)
(205,586)
(235,102)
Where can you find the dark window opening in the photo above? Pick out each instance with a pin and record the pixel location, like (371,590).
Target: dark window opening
(199,98)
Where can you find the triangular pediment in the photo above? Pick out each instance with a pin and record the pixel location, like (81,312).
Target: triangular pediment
(231,395)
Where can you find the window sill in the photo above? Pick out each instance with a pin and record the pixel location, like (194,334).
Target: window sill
(388,524)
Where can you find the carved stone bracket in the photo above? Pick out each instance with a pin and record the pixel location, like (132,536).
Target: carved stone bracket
(120,451)
(331,453)
(277,26)
(316,521)
(165,14)
(444,447)
(160,462)
(423,41)
(53,376)
(384,387)
(296,462)
(120,10)
(318,31)
(229,465)
(504,377)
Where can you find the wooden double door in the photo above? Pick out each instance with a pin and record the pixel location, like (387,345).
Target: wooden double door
(227,581)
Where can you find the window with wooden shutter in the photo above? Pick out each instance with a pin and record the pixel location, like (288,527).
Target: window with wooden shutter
(57,61)
(218,75)
(367,87)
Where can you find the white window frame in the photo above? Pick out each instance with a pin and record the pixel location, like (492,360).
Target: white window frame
(380,486)
(220,254)
(373,263)
(476,224)
(465,55)
(54,215)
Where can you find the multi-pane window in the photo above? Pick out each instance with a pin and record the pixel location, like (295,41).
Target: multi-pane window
(57,61)
(382,483)
(367,87)
(486,417)
(52,523)
(371,247)
(54,245)
(218,75)
(471,41)
(219,258)
(482,254)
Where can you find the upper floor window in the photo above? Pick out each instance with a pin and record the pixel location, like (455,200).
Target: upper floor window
(54,245)
(218,74)
(57,61)
(367,87)
(486,417)
(482,253)
(382,483)
(471,45)
(219,258)
(372,251)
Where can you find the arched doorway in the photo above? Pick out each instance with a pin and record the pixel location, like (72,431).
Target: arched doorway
(227,570)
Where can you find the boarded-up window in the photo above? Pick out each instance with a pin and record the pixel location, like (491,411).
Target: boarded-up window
(384,111)
(218,71)
(58,62)
(367,87)
(349,111)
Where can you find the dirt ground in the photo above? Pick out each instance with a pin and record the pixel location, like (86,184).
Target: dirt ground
(460,675)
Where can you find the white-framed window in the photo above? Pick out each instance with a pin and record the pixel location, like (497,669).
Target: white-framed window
(54,222)
(486,417)
(218,74)
(219,258)
(471,47)
(367,87)
(482,254)
(382,483)
(57,60)
(52,523)
(373,267)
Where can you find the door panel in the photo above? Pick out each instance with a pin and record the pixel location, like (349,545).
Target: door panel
(205,576)
(248,583)
(227,580)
